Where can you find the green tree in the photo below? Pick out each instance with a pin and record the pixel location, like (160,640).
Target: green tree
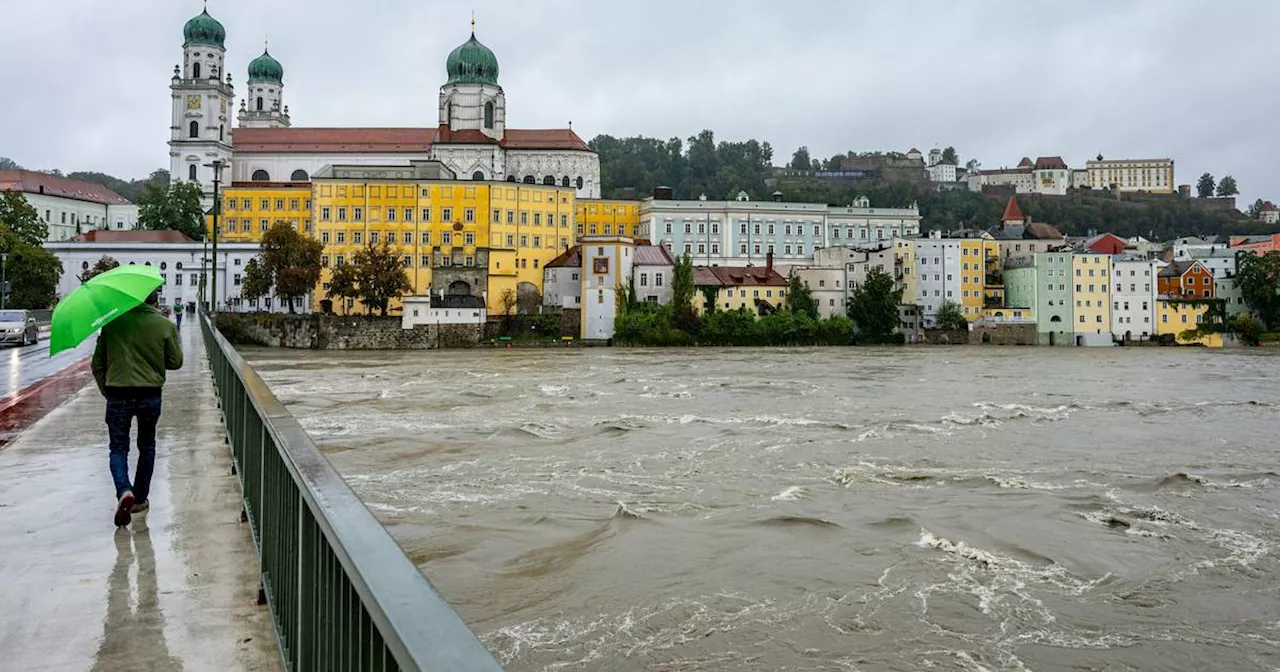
(1227,187)
(32,272)
(1204,186)
(344,284)
(7,163)
(102,265)
(951,317)
(176,208)
(290,261)
(682,283)
(381,276)
(799,299)
(257,281)
(949,156)
(1255,210)
(507,301)
(1258,277)
(19,217)
(800,160)
(873,307)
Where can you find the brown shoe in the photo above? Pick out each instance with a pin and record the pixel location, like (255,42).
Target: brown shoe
(141,507)
(124,509)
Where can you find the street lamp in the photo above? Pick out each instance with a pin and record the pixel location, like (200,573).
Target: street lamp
(216,165)
(4,280)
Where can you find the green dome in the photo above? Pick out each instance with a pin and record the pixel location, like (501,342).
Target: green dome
(266,69)
(204,29)
(472,63)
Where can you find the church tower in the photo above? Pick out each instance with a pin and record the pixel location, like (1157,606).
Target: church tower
(471,98)
(202,98)
(263,106)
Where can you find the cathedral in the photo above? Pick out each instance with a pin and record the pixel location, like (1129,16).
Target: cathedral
(471,136)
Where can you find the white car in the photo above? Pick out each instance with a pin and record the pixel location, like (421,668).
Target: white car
(18,326)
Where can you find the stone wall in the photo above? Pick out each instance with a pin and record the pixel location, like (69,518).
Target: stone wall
(332,332)
(1003,334)
(940,337)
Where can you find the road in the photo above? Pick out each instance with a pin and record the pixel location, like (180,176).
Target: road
(21,367)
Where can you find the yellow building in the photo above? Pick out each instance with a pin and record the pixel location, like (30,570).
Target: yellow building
(1091,295)
(608,217)
(509,228)
(248,210)
(1174,316)
(757,289)
(979,262)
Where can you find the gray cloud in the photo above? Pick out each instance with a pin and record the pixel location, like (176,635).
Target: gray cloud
(88,79)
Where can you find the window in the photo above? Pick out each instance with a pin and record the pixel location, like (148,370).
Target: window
(657,279)
(342,237)
(324,261)
(1082,319)
(488,117)
(469,215)
(340,260)
(191,175)
(324,237)
(357,214)
(236,279)
(357,237)
(471,238)
(342,214)
(194,129)
(264,224)
(446,215)
(391,214)
(373,237)
(425,261)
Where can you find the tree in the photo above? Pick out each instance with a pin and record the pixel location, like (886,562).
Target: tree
(176,208)
(1204,186)
(7,163)
(800,160)
(799,299)
(1258,277)
(257,281)
(682,283)
(951,317)
(290,261)
(949,156)
(1255,210)
(381,276)
(32,272)
(1227,187)
(873,307)
(507,301)
(99,267)
(344,283)
(21,218)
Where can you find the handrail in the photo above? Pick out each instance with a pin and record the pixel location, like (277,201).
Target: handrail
(342,593)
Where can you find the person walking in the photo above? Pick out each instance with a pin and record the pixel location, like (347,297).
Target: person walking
(177,313)
(129,363)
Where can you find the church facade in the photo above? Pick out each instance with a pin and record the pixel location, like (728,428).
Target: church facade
(471,136)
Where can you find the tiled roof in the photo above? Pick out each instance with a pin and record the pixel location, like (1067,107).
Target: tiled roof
(1178,268)
(1050,163)
(570,258)
(653,255)
(1012,213)
(1025,163)
(1042,231)
(394,140)
(737,276)
(32,182)
(1268,207)
(134,236)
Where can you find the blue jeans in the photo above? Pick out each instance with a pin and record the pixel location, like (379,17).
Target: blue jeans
(120,415)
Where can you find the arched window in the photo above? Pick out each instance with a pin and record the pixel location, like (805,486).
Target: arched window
(478,175)
(299,176)
(194,129)
(195,71)
(178,266)
(84,265)
(259,103)
(164,266)
(260,176)
(191,172)
(528,179)
(549,181)
(579,182)
(488,115)
(511,178)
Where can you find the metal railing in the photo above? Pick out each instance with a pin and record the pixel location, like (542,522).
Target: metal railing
(342,593)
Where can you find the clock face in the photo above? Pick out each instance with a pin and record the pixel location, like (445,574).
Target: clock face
(193,101)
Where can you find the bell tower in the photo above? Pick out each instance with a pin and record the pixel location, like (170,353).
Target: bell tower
(263,105)
(202,98)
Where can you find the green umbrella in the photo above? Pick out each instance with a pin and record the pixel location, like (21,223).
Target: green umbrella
(103,298)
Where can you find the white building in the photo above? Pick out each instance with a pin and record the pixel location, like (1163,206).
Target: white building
(1133,297)
(1268,213)
(183,263)
(606,262)
(440,310)
(937,275)
(562,281)
(942,172)
(651,274)
(743,232)
(1047,175)
(1153,175)
(70,207)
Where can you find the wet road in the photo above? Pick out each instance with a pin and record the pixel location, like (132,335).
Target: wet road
(816,509)
(22,366)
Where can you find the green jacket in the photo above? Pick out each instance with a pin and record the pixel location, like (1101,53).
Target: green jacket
(135,349)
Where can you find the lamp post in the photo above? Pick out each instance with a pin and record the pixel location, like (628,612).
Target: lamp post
(4,280)
(216,165)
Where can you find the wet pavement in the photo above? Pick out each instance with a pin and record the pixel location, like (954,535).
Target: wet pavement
(176,590)
(23,366)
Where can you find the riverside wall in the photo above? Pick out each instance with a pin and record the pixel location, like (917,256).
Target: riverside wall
(333,332)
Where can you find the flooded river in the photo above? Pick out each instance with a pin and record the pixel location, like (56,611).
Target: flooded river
(824,509)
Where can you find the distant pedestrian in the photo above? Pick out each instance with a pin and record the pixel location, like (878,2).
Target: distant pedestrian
(177,313)
(129,365)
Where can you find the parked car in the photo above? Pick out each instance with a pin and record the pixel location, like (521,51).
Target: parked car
(18,326)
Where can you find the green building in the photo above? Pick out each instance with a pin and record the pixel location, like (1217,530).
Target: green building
(1042,282)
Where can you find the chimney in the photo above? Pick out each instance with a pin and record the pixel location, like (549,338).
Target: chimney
(768,265)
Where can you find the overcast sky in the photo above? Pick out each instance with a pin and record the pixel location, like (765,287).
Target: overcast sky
(86,81)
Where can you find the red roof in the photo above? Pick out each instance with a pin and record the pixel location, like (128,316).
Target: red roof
(1025,163)
(1268,206)
(570,258)
(1012,213)
(653,255)
(1042,231)
(134,236)
(1050,163)
(1106,243)
(32,182)
(737,276)
(394,140)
